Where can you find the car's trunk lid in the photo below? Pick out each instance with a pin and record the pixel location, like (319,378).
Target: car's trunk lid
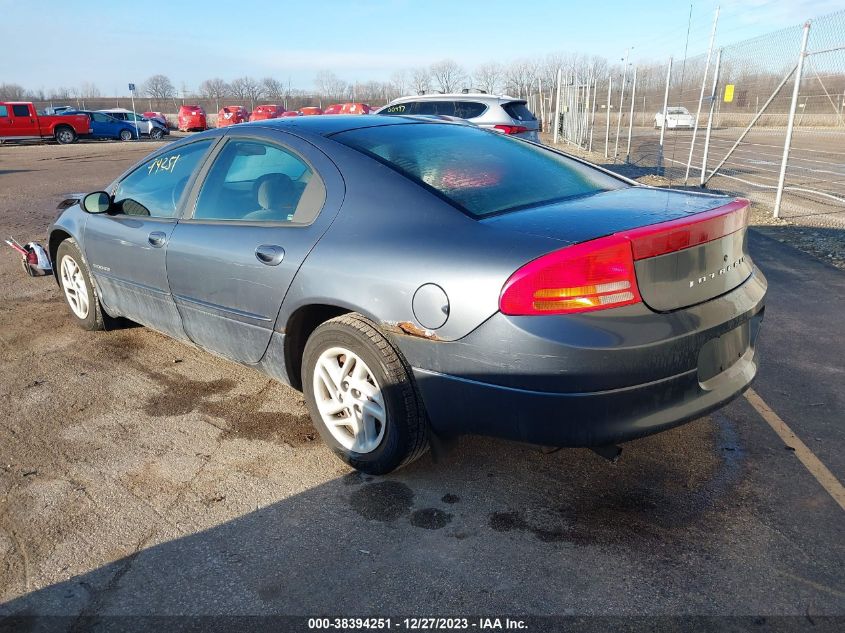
(687,248)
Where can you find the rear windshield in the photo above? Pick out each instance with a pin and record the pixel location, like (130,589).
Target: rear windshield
(480,172)
(519,111)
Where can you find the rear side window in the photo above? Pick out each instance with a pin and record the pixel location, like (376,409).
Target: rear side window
(154,188)
(469,109)
(518,111)
(20,110)
(480,172)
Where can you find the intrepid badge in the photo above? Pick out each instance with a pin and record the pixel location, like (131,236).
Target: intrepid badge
(721,271)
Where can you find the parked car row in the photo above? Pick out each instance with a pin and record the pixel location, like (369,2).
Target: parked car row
(19,121)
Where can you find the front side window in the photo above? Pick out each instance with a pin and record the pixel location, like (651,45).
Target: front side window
(154,188)
(4,111)
(257,181)
(20,110)
(480,172)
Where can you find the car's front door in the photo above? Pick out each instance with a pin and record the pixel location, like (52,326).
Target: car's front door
(126,249)
(264,201)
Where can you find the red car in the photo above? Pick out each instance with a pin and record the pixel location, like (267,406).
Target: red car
(191,117)
(310,110)
(230,115)
(263,112)
(157,116)
(290,113)
(348,108)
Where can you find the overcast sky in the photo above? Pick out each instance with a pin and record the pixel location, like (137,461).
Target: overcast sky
(49,44)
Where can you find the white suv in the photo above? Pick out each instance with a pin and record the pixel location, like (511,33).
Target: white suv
(495,112)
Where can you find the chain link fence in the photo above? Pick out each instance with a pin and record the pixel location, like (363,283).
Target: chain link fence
(735,120)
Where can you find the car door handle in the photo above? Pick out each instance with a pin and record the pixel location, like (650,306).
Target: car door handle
(270,254)
(157,239)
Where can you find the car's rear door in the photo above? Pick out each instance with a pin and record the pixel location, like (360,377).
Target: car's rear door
(126,249)
(104,126)
(258,209)
(24,120)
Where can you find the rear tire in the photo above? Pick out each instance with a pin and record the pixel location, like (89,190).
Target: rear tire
(78,287)
(126,135)
(65,135)
(349,362)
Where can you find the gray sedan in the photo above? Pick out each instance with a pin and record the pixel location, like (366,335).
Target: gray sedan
(421,279)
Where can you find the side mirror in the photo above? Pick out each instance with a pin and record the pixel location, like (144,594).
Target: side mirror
(97,202)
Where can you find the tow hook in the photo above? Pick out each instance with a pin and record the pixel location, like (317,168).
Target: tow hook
(610,452)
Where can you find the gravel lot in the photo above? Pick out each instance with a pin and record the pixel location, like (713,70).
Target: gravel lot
(141,476)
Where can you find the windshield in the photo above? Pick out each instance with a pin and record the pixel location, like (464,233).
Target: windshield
(480,172)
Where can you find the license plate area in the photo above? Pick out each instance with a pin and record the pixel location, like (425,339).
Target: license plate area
(719,354)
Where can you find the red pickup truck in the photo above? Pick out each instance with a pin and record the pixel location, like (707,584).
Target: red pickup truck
(19,121)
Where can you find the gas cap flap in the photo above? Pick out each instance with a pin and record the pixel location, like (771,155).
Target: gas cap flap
(431,306)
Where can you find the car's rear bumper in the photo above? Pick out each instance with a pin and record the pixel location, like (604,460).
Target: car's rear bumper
(592,381)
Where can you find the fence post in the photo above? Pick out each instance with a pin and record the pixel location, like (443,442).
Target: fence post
(557,108)
(593,116)
(791,121)
(621,103)
(710,116)
(631,118)
(701,95)
(607,119)
(665,107)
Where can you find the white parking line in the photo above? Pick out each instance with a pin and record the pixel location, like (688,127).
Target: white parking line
(812,463)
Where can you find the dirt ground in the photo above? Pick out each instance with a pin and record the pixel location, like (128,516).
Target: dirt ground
(141,476)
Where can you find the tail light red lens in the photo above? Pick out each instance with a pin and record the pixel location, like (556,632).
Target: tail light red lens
(590,276)
(600,274)
(511,129)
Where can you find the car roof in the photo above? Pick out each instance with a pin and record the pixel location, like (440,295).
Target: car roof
(326,125)
(463,96)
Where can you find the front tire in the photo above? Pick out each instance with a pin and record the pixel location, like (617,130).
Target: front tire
(65,135)
(79,290)
(126,135)
(156,134)
(361,396)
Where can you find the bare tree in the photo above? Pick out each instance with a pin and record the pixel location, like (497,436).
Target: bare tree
(400,81)
(330,85)
(216,89)
(488,77)
(421,80)
(448,75)
(521,77)
(12,92)
(88,90)
(159,87)
(273,89)
(247,88)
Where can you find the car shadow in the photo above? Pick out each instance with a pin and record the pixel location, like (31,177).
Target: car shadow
(430,537)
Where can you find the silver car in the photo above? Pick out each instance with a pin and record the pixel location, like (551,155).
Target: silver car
(493,112)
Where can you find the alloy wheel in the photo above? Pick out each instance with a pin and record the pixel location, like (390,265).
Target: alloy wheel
(76,290)
(349,400)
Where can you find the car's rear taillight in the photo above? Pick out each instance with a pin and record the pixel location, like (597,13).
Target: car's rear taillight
(600,273)
(511,129)
(590,276)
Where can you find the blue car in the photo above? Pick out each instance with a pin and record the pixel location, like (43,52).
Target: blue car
(105,126)
(420,279)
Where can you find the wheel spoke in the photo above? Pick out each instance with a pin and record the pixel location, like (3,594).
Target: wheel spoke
(331,407)
(373,410)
